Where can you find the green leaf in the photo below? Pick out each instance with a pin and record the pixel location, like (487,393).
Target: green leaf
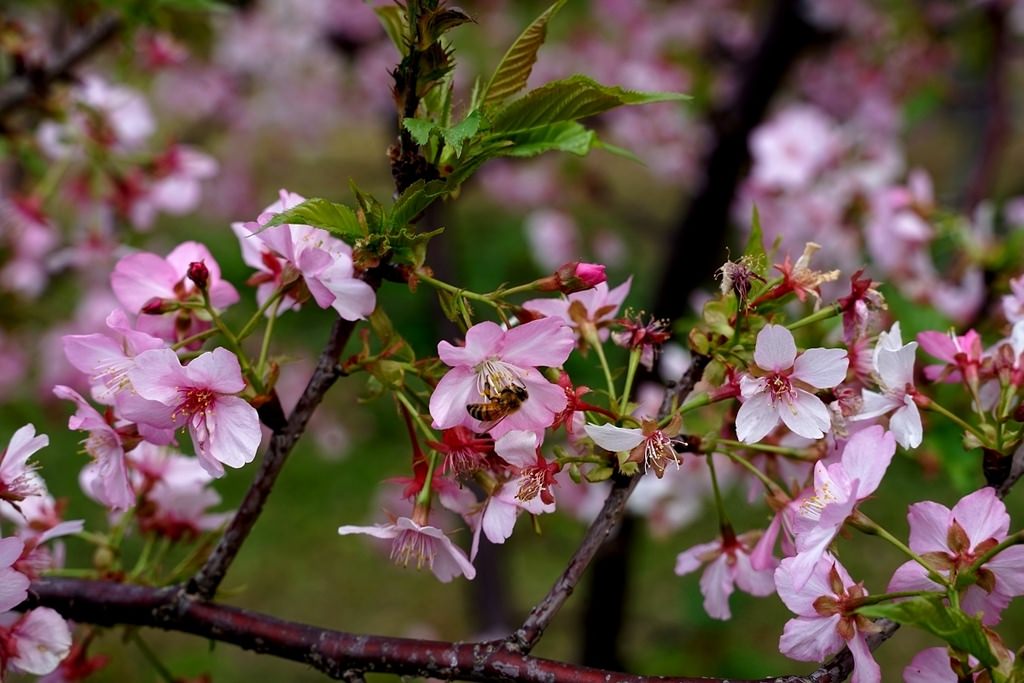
(567,136)
(392,18)
(463,130)
(373,212)
(570,99)
(420,129)
(321,213)
(618,151)
(949,623)
(514,68)
(599,473)
(755,243)
(410,248)
(414,200)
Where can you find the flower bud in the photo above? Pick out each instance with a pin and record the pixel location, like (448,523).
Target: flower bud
(157,306)
(573,277)
(199,274)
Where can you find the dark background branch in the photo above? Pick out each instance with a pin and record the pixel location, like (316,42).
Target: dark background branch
(22,90)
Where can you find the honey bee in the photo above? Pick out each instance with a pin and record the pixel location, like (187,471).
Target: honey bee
(498,406)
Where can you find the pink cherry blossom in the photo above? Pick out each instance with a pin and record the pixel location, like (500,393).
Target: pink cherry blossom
(1013,303)
(951,540)
(726,563)
(18,478)
(106,358)
(893,363)
(305,260)
(528,488)
(176,493)
(495,360)
(825,620)
(646,444)
(175,187)
(13,584)
(790,149)
(422,544)
(776,389)
(595,308)
(124,124)
(145,282)
(962,354)
(224,428)
(34,642)
(104,446)
(838,488)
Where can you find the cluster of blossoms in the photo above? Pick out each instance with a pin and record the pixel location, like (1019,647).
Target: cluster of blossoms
(34,641)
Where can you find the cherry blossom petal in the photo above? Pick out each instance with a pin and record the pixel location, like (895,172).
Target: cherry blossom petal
(549,308)
(691,559)
(499,520)
(906,426)
(517,448)
(1008,566)
(821,368)
(137,278)
(354,299)
(798,593)
(217,370)
(982,515)
(865,668)
(23,444)
(775,348)
(452,394)
(377,531)
(753,581)
(13,585)
(157,374)
(896,368)
(234,428)
(811,639)
(807,416)
(546,342)
(976,600)
(756,417)
(716,586)
(42,640)
(910,576)
(930,666)
(482,341)
(615,439)
(874,405)
(929,526)
(867,456)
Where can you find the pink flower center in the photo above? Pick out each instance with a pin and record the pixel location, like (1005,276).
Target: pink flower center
(410,545)
(195,400)
(779,387)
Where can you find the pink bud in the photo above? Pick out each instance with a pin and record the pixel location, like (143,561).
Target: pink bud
(199,274)
(591,274)
(574,277)
(156,306)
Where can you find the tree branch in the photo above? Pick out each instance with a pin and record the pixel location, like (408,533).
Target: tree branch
(338,654)
(20,90)
(607,520)
(204,584)
(996,108)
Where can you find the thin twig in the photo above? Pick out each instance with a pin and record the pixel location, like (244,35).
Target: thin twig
(206,581)
(20,90)
(607,520)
